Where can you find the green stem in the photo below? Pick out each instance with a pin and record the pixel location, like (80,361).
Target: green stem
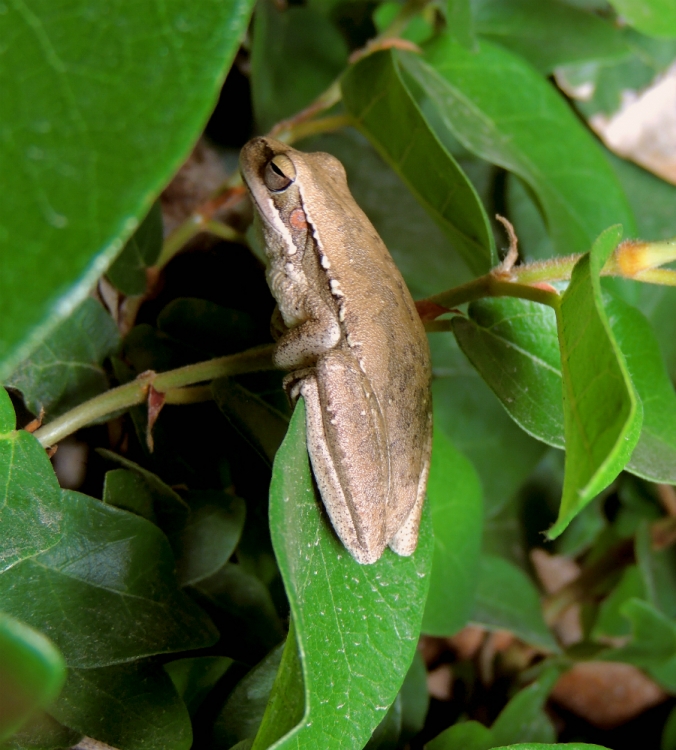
(132,394)
(492,286)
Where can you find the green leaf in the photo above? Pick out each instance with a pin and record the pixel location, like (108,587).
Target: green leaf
(467,735)
(242,608)
(454,496)
(242,713)
(653,640)
(386,734)
(523,718)
(286,703)
(554,746)
(548,35)
(364,611)
(129,707)
(513,345)
(32,672)
(109,112)
(500,109)
(128,271)
(415,698)
(654,457)
(116,570)
(610,622)
(652,17)
(658,571)
(477,425)
(296,53)
(669,732)
(194,678)
(602,415)
(460,22)
(373,91)
(30,509)
(66,369)
(507,600)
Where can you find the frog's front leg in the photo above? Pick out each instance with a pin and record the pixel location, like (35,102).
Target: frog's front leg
(347,447)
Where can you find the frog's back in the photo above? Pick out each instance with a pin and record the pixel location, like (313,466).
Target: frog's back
(381,324)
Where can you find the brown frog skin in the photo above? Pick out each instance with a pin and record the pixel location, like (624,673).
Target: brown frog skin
(354,344)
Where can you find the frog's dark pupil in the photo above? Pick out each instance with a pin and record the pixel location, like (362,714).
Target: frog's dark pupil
(277,169)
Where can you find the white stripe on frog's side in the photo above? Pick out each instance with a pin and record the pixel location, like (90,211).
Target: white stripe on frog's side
(280,226)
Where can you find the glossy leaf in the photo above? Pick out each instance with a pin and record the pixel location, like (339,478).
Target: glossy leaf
(523,719)
(67,369)
(602,415)
(128,271)
(500,109)
(374,89)
(296,53)
(507,600)
(78,177)
(548,35)
(32,672)
(129,707)
(116,570)
(513,345)
(346,615)
(30,509)
(652,17)
(454,496)
(467,735)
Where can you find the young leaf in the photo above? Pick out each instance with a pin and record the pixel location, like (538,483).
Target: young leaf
(30,499)
(67,370)
(356,625)
(32,672)
(373,90)
(500,109)
(97,130)
(454,496)
(507,600)
(602,415)
(129,707)
(549,35)
(116,570)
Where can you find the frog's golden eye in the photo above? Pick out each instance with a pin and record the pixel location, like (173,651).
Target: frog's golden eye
(279,173)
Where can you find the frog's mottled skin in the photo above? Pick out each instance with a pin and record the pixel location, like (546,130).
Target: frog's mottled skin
(355,345)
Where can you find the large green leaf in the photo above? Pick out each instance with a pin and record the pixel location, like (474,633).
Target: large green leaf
(602,415)
(507,600)
(548,34)
(384,109)
(66,369)
(30,507)
(500,109)
(652,17)
(129,707)
(116,570)
(356,625)
(513,345)
(110,102)
(32,672)
(455,499)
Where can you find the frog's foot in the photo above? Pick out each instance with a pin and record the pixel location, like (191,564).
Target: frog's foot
(293,383)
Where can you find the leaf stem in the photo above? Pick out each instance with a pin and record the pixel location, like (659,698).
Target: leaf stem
(134,393)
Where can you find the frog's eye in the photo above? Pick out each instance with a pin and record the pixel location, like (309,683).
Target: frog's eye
(279,173)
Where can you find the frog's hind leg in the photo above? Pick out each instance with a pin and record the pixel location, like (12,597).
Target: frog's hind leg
(405,540)
(347,454)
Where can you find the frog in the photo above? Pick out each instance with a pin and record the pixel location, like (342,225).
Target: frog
(353,344)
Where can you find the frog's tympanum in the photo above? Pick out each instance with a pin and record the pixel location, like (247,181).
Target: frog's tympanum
(354,344)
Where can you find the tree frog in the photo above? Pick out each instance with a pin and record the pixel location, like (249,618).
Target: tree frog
(354,344)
